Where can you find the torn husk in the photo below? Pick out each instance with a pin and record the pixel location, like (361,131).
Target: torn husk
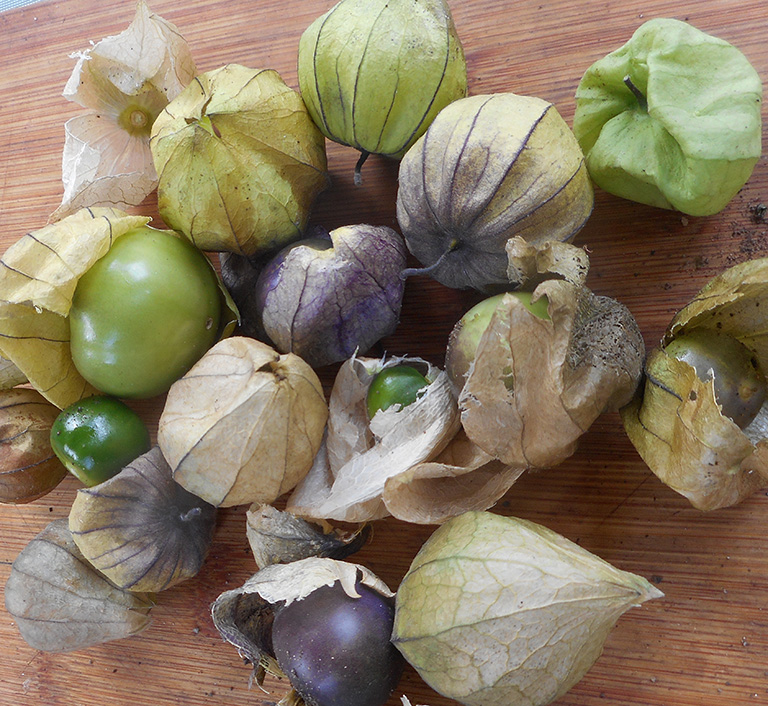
(278,537)
(676,422)
(60,603)
(243,616)
(529,264)
(536,385)
(359,454)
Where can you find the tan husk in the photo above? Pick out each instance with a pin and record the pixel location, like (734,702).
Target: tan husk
(60,603)
(359,455)
(244,424)
(243,616)
(28,467)
(279,537)
(498,611)
(536,385)
(142,530)
(675,421)
(530,264)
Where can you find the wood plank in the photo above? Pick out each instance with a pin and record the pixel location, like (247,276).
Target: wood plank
(706,642)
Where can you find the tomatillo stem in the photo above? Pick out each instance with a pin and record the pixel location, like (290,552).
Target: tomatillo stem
(636,92)
(410,271)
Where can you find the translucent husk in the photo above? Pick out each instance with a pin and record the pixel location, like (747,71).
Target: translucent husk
(244,424)
(240,161)
(38,277)
(490,167)
(675,421)
(61,604)
(536,385)
(243,616)
(142,530)
(498,611)
(124,81)
(28,466)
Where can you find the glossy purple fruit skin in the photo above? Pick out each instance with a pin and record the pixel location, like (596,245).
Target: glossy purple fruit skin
(336,650)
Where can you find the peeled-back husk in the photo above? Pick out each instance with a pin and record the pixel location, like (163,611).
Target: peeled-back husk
(244,424)
(535,385)
(490,167)
(61,604)
(498,611)
(675,422)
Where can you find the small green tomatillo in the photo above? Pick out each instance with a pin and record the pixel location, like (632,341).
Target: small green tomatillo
(400,384)
(97,437)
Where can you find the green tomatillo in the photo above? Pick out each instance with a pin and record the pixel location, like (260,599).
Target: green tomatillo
(98,436)
(144,313)
(671,119)
(398,385)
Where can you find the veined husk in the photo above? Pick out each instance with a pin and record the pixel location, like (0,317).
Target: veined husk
(124,81)
(375,73)
(240,161)
(675,422)
(499,611)
(243,616)
(490,167)
(141,529)
(409,463)
(279,537)
(244,424)
(38,277)
(60,603)
(535,385)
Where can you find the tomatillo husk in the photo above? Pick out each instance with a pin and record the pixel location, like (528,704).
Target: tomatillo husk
(676,421)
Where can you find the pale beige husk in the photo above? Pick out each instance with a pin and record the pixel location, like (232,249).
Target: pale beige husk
(675,422)
(61,604)
(536,385)
(244,424)
(498,611)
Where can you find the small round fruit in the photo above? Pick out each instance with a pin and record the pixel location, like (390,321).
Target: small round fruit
(740,386)
(336,649)
(144,314)
(97,437)
(400,384)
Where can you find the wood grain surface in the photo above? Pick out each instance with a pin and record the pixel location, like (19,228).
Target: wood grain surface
(706,642)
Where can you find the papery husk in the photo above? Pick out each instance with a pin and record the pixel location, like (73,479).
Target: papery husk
(243,616)
(38,276)
(490,167)
(499,611)
(29,468)
(360,455)
(529,264)
(142,530)
(244,424)
(61,604)
(535,385)
(279,537)
(106,159)
(240,161)
(10,375)
(675,422)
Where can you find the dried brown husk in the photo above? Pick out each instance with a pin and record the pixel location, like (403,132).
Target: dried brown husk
(360,455)
(28,467)
(279,537)
(60,603)
(536,385)
(38,276)
(530,264)
(675,421)
(140,528)
(244,424)
(498,611)
(243,616)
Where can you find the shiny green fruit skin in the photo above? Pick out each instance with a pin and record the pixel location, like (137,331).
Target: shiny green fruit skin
(740,386)
(144,314)
(97,437)
(400,384)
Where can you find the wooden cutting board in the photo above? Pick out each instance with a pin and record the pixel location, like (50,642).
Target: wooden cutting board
(706,642)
